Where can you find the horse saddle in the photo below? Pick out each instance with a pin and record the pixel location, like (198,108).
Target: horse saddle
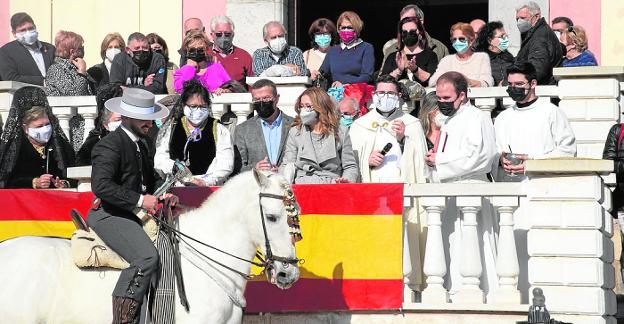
(89,251)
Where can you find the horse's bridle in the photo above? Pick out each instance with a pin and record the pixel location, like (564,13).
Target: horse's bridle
(269,259)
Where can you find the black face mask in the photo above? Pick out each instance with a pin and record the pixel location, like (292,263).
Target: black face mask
(141,57)
(517,93)
(264,108)
(409,38)
(197,56)
(447,108)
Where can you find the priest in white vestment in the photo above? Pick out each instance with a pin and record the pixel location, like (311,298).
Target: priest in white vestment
(404,162)
(532,128)
(465,154)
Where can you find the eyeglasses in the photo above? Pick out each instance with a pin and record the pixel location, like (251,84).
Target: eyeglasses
(221,34)
(386,93)
(195,50)
(198,107)
(461,39)
(412,31)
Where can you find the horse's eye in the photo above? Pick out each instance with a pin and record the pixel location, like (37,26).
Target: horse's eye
(272,218)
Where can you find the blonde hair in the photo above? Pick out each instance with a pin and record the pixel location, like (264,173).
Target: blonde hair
(465,28)
(65,41)
(428,104)
(353,18)
(194,35)
(33,113)
(323,104)
(577,36)
(109,39)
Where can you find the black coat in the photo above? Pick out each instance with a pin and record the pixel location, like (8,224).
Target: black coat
(31,165)
(117,173)
(99,73)
(499,63)
(541,48)
(126,73)
(612,152)
(16,63)
(83,157)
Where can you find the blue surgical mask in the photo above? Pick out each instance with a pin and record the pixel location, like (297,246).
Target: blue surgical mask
(503,43)
(322,40)
(460,47)
(346,120)
(158,123)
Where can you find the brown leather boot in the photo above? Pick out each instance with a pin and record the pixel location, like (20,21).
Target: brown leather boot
(125,310)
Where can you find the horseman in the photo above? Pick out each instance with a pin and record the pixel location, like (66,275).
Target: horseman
(122,178)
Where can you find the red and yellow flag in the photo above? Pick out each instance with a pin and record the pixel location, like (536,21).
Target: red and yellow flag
(351,242)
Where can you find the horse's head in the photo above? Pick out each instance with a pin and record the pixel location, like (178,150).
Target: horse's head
(275,228)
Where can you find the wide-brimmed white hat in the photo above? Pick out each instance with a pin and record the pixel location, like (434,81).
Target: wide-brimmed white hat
(138,104)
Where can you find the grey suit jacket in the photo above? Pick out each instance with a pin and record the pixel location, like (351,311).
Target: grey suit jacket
(323,163)
(249,145)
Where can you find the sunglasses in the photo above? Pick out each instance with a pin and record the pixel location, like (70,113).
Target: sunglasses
(221,34)
(461,39)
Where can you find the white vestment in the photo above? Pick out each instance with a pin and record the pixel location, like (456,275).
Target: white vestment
(540,130)
(372,132)
(465,154)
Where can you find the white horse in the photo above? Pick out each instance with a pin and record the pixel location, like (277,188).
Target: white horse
(39,283)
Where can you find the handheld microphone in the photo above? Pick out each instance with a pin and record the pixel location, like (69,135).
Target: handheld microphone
(386,149)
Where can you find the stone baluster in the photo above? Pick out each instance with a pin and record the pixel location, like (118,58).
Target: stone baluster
(486,105)
(88,113)
(218,109)
(470,267)
(435,261)
(507,266)
(242,110)
(64,114)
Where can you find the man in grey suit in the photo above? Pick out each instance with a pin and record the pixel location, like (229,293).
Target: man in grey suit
(259,141)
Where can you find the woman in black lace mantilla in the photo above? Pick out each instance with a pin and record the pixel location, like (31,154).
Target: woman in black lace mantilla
(34,151)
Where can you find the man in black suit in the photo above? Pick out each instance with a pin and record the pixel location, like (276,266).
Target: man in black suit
(123,178)
(25,59)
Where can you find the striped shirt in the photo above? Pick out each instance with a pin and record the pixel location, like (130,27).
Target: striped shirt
(263,59)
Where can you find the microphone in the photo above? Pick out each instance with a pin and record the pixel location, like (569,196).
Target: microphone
(386,149)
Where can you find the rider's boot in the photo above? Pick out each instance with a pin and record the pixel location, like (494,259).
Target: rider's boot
(126,310)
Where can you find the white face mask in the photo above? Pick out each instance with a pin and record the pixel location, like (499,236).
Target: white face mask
(196,115)
(111,53)
(112,126)
(308,117)
(386,103)
(440,119)
(28,37)
(277,45)
(41,134)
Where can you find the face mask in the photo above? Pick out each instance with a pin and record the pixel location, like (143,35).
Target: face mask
(224,42)
(141,57)
(111,53)
(158,123)
(503,43)
(386,103)
(523,25)
(440,119)
(112,126)
(277,45)
(347,36)
(308,117)
(198,56)
(323,41)
(558,34)
(28,37)
(447,108)
(41,134)
(460,47)
(409,39)
(196,115)
(265,109)
(346,120)
(517,93)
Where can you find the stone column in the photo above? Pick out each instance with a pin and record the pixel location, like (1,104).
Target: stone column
(435,261)
(569,249)
(590,98)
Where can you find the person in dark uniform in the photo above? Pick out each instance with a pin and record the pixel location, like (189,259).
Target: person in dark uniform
(34,151)
(123,178)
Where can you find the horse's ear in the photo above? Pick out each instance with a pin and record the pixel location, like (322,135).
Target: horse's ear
(260,177)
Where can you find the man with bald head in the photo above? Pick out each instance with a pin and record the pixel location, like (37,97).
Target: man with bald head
(190,25)
(476,25)
(276,53)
